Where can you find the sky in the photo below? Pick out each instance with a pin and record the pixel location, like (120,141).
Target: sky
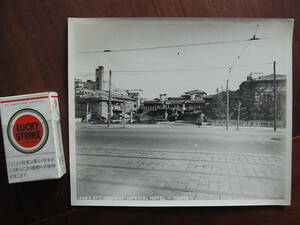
(176,69)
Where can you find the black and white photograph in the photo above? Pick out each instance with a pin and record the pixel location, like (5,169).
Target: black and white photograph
(180,111)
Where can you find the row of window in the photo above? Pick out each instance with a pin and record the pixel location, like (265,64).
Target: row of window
(156,107)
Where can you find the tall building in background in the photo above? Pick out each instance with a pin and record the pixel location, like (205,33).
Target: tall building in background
(99,78)
(257,96)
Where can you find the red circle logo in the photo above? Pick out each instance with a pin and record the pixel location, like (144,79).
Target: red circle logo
(27,131)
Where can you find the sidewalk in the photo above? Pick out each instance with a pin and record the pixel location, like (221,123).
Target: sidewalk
(174,174)
(172,124)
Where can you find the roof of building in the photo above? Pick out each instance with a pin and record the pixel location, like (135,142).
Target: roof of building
(104,95)
(270,77)
(195,101)
(175,101)
(208,96)
(148,102)
(195,92)
(176,98)
(266,78)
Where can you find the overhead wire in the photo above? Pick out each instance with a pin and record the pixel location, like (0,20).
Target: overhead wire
(244,49)
(168,46)
(230,67)
(174,70)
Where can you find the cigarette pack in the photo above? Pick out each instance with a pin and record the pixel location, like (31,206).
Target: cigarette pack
(32,137)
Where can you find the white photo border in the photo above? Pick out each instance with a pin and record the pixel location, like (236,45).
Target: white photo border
(173,203)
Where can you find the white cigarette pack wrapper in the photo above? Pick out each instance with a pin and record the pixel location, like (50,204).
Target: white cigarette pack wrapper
(32,137)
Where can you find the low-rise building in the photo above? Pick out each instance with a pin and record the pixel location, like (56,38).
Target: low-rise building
(189,106)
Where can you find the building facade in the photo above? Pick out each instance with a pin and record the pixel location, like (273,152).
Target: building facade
(91,98)
(257,96)
(190,107)
(253,102)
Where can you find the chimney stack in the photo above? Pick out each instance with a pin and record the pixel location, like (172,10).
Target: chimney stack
(99,78)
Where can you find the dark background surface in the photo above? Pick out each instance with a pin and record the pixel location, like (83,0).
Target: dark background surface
(33,58)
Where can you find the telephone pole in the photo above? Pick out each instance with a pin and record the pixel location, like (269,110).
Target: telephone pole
(274,89)
(87,113)
(109,101)
(123,113)
(238,115)
(227,105)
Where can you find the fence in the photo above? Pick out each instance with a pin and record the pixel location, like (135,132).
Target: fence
(249,123)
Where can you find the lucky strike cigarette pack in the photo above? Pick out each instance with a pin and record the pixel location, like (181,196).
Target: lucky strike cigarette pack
(32,137)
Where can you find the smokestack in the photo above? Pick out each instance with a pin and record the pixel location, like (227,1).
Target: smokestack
(99,78)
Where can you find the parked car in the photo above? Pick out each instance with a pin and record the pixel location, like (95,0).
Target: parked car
(96,119)
(199,121)
(117,118)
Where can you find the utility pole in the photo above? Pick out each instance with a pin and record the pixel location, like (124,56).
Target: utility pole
(274,81)
(109,101)
(227,105)
(238,115)
(86,113)
(123,113)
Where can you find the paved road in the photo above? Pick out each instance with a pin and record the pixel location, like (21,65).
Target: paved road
(178,161)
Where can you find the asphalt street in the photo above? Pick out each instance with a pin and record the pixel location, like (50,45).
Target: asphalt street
(183,137)
(179,161)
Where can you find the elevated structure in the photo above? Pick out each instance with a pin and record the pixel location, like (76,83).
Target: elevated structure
(92,93)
